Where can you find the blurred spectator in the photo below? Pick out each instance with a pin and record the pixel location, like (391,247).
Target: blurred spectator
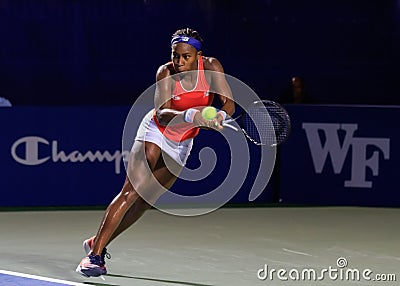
(4,102)
(296,92)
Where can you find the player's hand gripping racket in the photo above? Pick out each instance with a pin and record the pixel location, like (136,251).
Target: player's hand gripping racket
(264,123)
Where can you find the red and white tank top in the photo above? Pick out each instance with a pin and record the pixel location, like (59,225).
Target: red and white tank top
(182,99)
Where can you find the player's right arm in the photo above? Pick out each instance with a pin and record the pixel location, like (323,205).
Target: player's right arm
(162,101)
(162,98)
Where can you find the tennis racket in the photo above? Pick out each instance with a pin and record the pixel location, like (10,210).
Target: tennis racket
(263,122)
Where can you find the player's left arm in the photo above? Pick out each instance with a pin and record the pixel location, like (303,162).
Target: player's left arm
(221,87)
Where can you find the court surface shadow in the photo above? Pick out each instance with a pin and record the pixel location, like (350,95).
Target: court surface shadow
(159,280)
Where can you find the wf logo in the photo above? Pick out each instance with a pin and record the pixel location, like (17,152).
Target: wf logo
(330,144)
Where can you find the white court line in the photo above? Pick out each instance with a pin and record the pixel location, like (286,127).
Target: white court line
(296,252)
(41,278)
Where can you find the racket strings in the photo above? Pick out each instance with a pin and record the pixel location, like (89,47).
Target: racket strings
(257,125)
(266,124)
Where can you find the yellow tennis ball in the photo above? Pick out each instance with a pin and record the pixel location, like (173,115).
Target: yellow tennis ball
(209,112)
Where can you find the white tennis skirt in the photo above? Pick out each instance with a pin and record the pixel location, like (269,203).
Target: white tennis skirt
(149,132)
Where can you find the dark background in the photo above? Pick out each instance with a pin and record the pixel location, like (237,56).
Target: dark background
(71,52)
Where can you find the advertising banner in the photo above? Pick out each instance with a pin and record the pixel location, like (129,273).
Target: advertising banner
(341,155)
(72,156)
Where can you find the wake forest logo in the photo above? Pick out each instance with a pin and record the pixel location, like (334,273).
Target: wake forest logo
(329,143)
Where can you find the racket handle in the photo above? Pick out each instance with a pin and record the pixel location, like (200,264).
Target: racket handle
(229,126)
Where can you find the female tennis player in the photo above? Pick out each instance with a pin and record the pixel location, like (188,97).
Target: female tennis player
(164,139)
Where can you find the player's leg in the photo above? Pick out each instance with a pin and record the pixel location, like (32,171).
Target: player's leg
(143,160)
(164,176)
